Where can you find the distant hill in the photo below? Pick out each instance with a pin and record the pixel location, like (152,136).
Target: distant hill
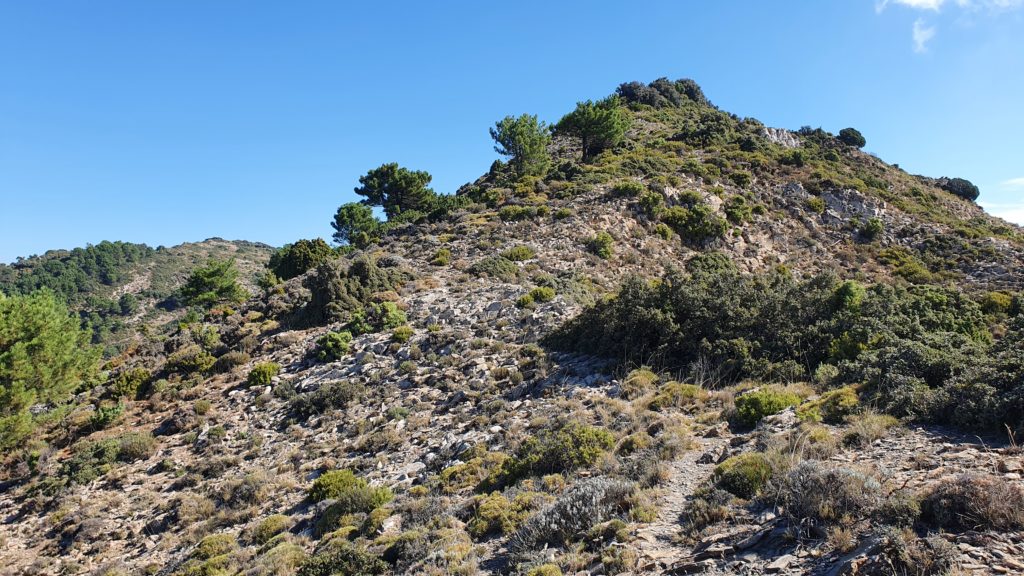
(113,284)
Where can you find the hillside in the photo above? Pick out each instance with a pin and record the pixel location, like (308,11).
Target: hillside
(115,286)
(707,346)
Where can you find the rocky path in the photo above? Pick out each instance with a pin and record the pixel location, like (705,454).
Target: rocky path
(657,541)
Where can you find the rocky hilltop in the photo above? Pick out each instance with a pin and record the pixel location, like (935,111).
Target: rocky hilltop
(816,373)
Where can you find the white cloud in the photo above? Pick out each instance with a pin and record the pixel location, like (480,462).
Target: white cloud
(1009,212)
(1012,183)
(922,34)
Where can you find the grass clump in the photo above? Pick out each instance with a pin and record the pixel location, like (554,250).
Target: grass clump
(442,257)
(743,475)
(497,267)
(638,382)
(832,407)
(753,406)
(348,490)
(676,395)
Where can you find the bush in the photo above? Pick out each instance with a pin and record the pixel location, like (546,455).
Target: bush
(329,396)
(743,475)
(563,449)
(601,245)
(519,253)
(676,395)
(697,224)
(852,137)
(339,556)
(135,446)
(974,502)
(872,229)
(216,282)
(741,179)
(638,382)
(516,213)
(352,492)
(813,493)
(189,360)
(961,187)
(333,346)
(542,294)
(753,406)
(816,205)
(866,428)
(263,373)
(231,360)
(545,570)
(442,257)
(737,210)
(128,383)
(496,267)
(589,502)
(493,514)
(832,407)
(402,334)
(628,188)
(295,259)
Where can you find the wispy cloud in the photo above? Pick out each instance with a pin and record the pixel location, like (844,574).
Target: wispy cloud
(1011,212)
(1012,183)
(922,34)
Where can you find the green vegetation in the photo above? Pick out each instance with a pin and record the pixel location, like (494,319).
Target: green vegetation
(562,449)
(924,352)
(44,357)
(601,245)
(852,137)
(263,373)
(295,259)
(333,346)
(396,189)
(961,187)
(598,125)
(743,475)
(753,406)
(354,224)
(519,253)
(525,141)
(214,283)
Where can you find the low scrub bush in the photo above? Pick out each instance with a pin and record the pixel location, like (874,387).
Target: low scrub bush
(676,395)
(563,449)
(628,188)
(832,407)
(816,494)
(497,267)
(352,492)
(334,395)
(753,406)
(974,502)
(263,373)
(601,245)
(697,224)
(333,346)
(128,383)
(743,475)
(587,503)
(231,360)
(519,254)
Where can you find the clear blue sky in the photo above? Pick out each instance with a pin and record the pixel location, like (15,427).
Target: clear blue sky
(164,122)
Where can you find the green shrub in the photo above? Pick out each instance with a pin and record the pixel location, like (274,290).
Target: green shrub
(651,203)
(563,213)
(832,407)
(128,383)
(496,267)
(961,187)
(542,294)
(519,253)
(402,333)
(189,360)
(852,137)
(753,406)
(442,257)
(563,449)
(525,301)
(329,396)
(494,514)
(741,179)
(545,570)
(697,224)
(339,556)
(269,527)
(262,374)
(513,213)
(737,210)
(816,204)
(743,475)
(663,230)
(628,188)
(333,346)
(350,491)
(134,446)
(872,229)
(105,415)
(295,259)
(216,282)
(601,245)
(216,545)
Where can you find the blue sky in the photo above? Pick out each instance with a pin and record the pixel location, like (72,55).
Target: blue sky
(164,122)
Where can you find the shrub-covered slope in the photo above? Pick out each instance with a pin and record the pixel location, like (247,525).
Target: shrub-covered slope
(660,339)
